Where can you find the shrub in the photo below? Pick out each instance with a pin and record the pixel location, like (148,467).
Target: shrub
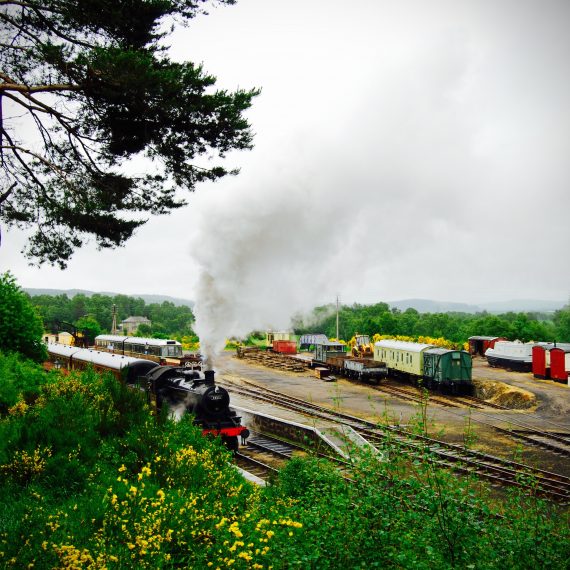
(21,327)
(20,380)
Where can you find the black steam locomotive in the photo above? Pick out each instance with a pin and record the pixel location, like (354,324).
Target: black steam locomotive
(183,390)
(196,393)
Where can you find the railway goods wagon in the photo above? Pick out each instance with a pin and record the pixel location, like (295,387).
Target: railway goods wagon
(285,346)
(308,340)
(540,361)
(334,361)
(478,345)
(272,337)
(162,351)
(327,349)
(365,369)
(448,370)
(551,361)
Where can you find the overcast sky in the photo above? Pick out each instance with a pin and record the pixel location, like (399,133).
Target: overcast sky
(403,149)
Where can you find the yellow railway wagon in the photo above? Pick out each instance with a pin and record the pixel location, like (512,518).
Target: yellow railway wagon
(401,357)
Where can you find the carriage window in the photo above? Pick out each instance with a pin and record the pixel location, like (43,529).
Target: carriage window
(173,351)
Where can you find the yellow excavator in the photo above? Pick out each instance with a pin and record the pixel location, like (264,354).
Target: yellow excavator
(362,347)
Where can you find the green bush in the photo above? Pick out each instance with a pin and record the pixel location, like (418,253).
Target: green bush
(20,379)
(21,327)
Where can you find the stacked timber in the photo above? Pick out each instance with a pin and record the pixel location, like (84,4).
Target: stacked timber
(270,359)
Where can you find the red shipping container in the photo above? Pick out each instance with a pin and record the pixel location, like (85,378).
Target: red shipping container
(285,346)
(539,362)
(558,367)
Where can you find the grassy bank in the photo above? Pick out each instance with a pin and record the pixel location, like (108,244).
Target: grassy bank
(90,480)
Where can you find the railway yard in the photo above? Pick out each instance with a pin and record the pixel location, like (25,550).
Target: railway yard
(503,442)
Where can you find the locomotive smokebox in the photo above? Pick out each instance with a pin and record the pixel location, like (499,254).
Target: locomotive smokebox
(209,375)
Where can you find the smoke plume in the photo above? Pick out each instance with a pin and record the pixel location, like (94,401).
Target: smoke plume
(405,161)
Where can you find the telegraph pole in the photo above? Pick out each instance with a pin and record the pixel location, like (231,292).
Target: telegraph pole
(337,318)
(114,325)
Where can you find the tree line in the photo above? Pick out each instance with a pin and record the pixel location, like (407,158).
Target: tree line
(456,327)
(95,313)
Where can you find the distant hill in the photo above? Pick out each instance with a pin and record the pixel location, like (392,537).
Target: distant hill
(146,298)
(524,305)
(515,305)
(428,306)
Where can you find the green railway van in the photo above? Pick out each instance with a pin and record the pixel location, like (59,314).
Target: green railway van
(448,370)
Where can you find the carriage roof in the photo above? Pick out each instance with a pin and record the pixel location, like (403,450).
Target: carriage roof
(138,340)
(403,345)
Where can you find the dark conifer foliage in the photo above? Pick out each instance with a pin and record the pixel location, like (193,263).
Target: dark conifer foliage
(85,86)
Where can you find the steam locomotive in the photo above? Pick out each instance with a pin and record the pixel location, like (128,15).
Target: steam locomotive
(195,392)
(180,388)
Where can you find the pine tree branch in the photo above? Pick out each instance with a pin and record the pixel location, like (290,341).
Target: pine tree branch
(56,87)
(4,197)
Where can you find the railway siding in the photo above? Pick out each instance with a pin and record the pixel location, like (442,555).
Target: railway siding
(459,458)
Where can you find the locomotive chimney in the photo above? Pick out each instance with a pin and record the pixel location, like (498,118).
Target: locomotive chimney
(209,375)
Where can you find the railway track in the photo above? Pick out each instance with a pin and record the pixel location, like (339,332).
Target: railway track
(417,395)
(255,466)
(558,444)
(494,469)
(271,446)
(474,402)
(414,395)
(555,442)
(263,455)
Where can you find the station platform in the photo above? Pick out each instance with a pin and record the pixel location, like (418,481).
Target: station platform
(272,420)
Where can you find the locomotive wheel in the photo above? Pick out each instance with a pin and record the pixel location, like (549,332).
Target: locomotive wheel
(231,443)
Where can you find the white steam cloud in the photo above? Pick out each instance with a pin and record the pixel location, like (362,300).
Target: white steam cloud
(266,256)
(410,160)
